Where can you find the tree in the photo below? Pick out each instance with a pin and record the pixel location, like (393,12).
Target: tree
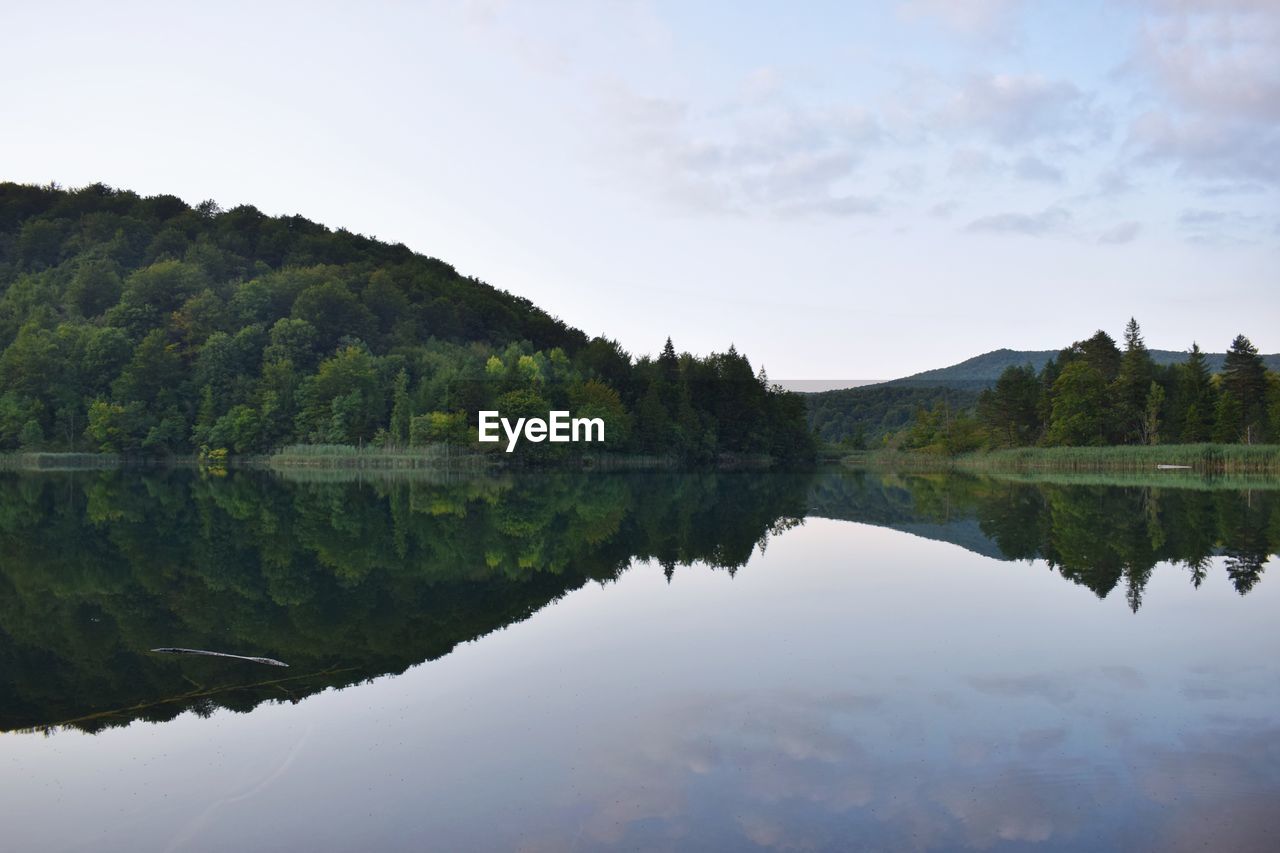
(1099,352)
(652,422)
(668,363)
(239,430)
(594,399)
(1245,377)
(94,288)
(1132,386)
(1197,397)
(334,312)
(1228,419)
(1079,406)
(401,411)
(342,403)
(114,428)
(1151,414)
(31,436)
(1008,412)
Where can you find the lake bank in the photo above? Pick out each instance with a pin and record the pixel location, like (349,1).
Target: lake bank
(340,457)
(35,461)
(1198,459)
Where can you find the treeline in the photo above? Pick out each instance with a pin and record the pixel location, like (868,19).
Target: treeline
(146,326)
(1094,394)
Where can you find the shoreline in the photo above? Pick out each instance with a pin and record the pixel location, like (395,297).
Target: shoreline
(1197,462)
(1185,459)
(322,457)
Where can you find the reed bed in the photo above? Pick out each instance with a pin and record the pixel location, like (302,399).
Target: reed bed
(1202,459)
(35,461)
(383,458)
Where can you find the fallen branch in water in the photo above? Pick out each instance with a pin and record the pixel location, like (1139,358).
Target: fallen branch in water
(267,661)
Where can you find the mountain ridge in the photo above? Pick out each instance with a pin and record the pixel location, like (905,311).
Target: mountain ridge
(981,371)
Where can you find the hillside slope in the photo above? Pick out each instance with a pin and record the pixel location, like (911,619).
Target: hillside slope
(148,326)
(865,415)
(982,371)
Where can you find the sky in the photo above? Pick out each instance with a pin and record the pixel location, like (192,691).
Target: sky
(842,190)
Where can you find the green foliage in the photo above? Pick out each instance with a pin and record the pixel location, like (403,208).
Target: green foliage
(942,431)
(1080,406)
(1244,377)
(142,325)
(982,371)
(1131,389)
(1010,412)
(877,411)
(1196,397)
(1090,394)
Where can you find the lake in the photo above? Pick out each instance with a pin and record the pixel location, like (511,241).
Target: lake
(840,660)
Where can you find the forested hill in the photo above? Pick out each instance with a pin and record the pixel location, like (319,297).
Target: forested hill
(145,325)
(1091,393)
(982,371)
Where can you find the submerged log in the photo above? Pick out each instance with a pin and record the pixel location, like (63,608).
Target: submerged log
(175,651)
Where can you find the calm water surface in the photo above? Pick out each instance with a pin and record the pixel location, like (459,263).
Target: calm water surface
(838,661)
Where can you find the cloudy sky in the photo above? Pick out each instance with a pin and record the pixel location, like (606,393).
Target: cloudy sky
(843,190)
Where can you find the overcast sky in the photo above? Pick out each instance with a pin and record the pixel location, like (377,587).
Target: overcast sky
(843,190)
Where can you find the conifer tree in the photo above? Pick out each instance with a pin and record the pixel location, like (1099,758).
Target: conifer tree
(1197,397)
(1132,385)
(1245,377)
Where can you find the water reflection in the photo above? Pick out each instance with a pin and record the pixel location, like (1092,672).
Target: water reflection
(1097,535)
(346,580)
(839,686)
(838,772)
(342,580)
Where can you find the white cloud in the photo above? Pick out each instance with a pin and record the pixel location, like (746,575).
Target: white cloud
(1033,224)
(971,162)
(1117,235)
(983,19)
(762,156)
(1213,67)
(1031,168)
(1013,109)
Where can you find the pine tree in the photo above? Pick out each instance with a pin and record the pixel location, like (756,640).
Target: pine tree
(1197,397)
(1101,353)
(1008,412)
(1245,377)
(669,363)
(1228,419)
(1132,384)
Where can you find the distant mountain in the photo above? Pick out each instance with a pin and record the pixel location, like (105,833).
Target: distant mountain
(982,371)
(876,410)
(815,386)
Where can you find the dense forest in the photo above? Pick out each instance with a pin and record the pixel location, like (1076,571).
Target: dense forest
(1093,393)
(147,326)
(860,418)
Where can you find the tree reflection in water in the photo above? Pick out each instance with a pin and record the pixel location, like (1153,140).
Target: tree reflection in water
(347,579)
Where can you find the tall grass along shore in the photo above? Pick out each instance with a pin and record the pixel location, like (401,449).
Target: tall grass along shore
(1199,458)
